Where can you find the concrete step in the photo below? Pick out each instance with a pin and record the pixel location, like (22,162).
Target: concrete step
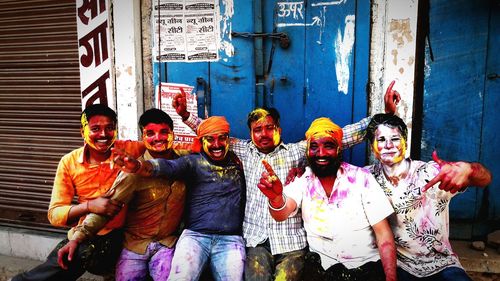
(11,266)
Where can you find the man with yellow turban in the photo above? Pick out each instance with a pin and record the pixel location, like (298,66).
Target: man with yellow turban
(215,203)
(343,208)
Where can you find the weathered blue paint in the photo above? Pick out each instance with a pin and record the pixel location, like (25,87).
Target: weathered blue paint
(490,141)
(454,91)
(302,82)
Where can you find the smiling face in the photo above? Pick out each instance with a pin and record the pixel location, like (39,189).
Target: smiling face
(216,146)
(388,145)
(323,155)
(265,134)
(99,133)
(158,138)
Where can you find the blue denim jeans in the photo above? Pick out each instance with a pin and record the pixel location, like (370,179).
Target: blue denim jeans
(452,273)
(225,253)
(155,262)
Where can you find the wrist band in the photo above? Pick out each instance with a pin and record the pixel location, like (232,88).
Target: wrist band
(280,208)
(138,167)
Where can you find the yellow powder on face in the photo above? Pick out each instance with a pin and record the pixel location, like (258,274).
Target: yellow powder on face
(402,151)
(376,151)
(205,144)
(276,137)
(164,147)
(86,133)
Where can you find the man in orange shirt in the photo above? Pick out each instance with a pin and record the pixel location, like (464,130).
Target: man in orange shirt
(155,207)
(87,173)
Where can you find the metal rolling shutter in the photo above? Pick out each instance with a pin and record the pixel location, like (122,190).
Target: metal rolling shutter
(39,105)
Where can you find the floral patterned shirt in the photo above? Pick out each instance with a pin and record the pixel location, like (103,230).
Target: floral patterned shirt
(421,220)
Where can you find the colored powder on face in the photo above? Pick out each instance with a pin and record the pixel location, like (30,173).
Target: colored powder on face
(164,147)
(402,151)
(276,137)
(376,152)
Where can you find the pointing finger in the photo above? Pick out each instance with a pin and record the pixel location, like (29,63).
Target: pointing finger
(432,182)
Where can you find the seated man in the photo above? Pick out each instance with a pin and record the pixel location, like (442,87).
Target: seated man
(154,212)
(420,223)
(88,174)
(215,199)
(343,209)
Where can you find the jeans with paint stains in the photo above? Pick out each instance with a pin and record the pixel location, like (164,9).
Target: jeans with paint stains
(155,262)
(225,255)
(261,265)
(452,273)
(314,271)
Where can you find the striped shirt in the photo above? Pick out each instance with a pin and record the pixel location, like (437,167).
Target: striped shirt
(258,225)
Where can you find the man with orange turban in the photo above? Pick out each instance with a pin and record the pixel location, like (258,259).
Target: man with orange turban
(214,203)
(343,208)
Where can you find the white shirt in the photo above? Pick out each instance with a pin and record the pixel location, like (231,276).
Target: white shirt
(339,228)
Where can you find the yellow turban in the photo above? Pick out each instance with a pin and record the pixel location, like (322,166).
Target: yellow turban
(210,126)
(324,127)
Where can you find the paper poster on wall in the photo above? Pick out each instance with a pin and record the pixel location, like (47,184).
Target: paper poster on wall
(185,31)
(183,134)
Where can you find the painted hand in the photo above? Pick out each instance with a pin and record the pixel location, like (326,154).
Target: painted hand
(452,177)
(180,104)
(270,184)
(391,99)
(296,172)
(126,162)
(65,254)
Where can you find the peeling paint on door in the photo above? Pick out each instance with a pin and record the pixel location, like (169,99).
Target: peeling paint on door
(343,50)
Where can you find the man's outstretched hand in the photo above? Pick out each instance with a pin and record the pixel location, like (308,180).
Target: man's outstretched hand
(454,176)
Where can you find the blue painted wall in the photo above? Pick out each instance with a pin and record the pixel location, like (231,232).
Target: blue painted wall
(460,105)
(300,80)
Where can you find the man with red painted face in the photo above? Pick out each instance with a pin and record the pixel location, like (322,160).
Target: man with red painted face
(343,209)
(420,193)
(274,250)
(154,211)
(88,174)
(215,198)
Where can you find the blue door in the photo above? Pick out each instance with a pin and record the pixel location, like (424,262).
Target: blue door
(461,101)
(305,58)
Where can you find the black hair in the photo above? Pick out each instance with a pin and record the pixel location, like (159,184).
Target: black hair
(99,109)
(256,114)
(156,116)
(388,119)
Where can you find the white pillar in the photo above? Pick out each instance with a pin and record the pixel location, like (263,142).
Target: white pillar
(128,66)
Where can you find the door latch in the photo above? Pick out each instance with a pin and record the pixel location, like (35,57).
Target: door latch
(283,38)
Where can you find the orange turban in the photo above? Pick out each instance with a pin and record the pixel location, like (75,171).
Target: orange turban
(210,126)
(324,127)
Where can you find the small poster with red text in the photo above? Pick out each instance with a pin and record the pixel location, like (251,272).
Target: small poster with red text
(167,91)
